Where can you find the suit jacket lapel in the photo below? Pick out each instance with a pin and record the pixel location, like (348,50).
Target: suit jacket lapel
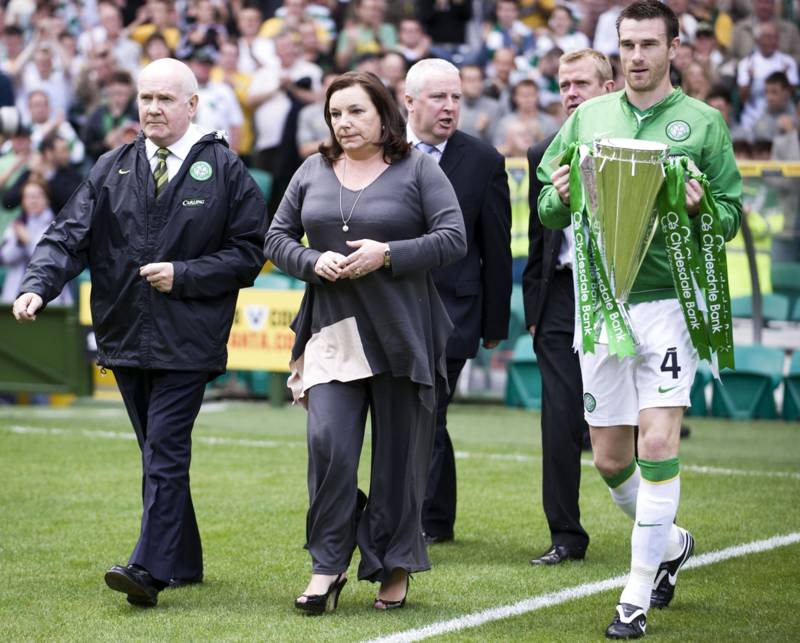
(453,153)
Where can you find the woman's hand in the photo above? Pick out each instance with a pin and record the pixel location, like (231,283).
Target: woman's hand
(329,265)
(367,258)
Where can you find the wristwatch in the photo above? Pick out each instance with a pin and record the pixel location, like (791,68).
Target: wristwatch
(387,257)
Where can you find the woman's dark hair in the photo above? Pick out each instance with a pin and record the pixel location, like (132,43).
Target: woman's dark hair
(652,10)
(393,127)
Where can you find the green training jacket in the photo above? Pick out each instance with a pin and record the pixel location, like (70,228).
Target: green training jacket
(689,127)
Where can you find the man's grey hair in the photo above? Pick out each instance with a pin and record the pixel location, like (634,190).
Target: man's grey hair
(422,70)
(178,70)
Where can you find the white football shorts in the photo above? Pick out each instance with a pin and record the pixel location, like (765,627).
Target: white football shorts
(659,375)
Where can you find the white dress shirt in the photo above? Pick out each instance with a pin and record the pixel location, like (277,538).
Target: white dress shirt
(178,151)
(414,139)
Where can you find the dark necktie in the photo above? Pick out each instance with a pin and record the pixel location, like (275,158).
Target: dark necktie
(160,173)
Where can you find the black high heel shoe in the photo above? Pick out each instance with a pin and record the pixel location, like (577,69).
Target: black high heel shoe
(381,604)
(316,604)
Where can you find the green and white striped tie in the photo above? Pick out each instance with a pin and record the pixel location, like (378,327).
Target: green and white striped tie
(160,173)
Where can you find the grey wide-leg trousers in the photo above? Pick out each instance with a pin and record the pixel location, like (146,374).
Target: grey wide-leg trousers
(388,532)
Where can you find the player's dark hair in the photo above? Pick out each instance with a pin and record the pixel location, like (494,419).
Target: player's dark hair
(651,10)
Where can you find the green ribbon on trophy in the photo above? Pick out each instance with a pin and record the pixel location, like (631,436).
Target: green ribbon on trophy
(612,229)
(696,253)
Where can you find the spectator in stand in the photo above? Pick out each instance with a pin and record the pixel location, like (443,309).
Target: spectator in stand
(684,55)
(752,72)
(21,237)
(255,51)
(413,43)
(116,120)
(92,80)
(686,20)
(479,114)
(14,46)
(518,138)
(534,13)
(110,31)
(606,39)
(745,31)
(155,48)
(218,108)
(501,75)
(526,111)
(289,16)
(15,158)
(560,33)
(40,74)
(706,49)
(778,106)
(312,49)
(277,92)
(227,72)
(156,17)
(508,32)
(207,29)
(445,22)
(697,81)
(367,33)
(720,100)
(392,72)
(545,75)
(45,121)
(50,166)
(312,130)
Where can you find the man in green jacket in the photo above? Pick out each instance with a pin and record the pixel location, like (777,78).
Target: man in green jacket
(651,389)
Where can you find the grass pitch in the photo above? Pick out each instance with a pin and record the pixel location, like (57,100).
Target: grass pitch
(70,507)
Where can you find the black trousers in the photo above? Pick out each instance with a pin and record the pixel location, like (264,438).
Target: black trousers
(387,530)
(162,406)
(439,508)
(563,424)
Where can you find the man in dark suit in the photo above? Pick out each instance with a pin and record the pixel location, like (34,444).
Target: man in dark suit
(477,289)
(550,317)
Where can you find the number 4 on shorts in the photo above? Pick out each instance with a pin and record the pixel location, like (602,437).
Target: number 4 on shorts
(670,362)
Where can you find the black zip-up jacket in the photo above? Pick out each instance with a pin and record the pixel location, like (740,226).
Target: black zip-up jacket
(210,225)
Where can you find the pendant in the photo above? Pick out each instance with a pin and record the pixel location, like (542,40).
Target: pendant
(345,228)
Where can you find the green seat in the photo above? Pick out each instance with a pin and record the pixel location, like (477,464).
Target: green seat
(785,276)
(697,394)
(774,307)
(795,315)
(524,380)
(263,181)
(748,392)
(791,389)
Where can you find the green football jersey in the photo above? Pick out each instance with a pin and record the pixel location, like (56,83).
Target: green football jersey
(690,128)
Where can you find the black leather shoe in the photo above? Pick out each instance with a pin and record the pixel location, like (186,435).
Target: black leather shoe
(430,539)
(557,554)
(142,589)
(174,583)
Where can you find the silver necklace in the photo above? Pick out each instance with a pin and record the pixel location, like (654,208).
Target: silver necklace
(346,227)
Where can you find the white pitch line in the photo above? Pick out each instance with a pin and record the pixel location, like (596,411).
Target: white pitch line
(692,468)
(573,593)
(461,455)
(118,435)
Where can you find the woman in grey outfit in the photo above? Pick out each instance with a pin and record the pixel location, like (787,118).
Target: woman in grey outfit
(370,335)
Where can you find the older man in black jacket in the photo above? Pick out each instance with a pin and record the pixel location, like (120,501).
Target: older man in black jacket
(171,227)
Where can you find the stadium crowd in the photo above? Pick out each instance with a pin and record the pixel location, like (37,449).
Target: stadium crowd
(70,69)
